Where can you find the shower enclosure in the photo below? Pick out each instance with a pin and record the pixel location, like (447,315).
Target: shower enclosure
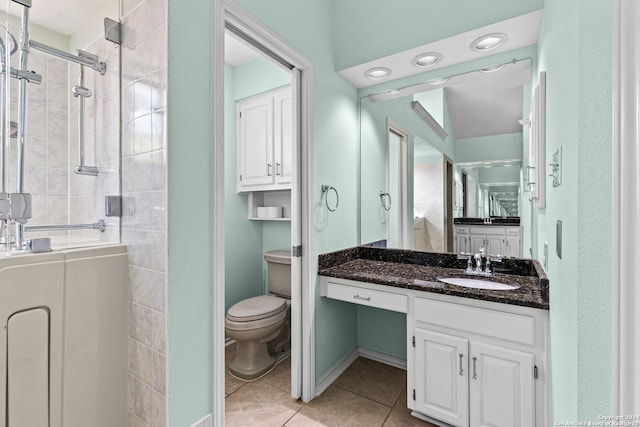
(59,134)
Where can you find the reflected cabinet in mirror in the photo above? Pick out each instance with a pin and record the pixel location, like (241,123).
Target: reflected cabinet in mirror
(442,162)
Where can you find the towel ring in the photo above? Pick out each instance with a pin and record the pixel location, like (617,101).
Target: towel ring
(326,189)
(384,198)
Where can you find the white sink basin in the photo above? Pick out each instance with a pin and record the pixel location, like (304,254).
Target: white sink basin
(477,283)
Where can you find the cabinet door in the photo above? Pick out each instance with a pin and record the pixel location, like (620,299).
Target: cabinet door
(283,127)
(255,142)
(478,242)
(441,389)
(495,245)
(462,243)
(501,387)
(512,247)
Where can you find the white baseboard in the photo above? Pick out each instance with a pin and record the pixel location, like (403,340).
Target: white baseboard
(382,358)
(205,422)
(323,383)
(342,365)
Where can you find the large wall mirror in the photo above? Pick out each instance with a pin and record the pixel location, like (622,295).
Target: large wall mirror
(440,150)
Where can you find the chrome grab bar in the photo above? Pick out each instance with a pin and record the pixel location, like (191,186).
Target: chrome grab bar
(82,58)
(100,225)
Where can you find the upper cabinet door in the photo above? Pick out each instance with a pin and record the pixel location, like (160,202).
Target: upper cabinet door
(265,138)
(501,387)
(255,142)
(441,377)
(283,136)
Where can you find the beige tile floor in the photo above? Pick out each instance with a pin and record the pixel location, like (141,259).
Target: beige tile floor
(367,394)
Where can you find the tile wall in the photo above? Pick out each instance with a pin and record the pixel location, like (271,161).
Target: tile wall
(144,191)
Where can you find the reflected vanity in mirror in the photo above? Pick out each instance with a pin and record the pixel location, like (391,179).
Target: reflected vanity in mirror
(442,162)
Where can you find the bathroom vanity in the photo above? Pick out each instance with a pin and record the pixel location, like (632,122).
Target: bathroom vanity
(499,236)
(475,356)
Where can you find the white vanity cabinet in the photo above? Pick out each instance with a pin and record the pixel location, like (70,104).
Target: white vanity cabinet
(469,362)
(264,138)
(471,366)
(496,239)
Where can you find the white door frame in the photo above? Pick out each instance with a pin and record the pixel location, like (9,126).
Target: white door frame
(402,195)
(626,208)
(303,298)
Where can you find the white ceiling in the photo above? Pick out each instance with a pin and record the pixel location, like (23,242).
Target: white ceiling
(490,103)
(237,52)
(61,16)
(522,31)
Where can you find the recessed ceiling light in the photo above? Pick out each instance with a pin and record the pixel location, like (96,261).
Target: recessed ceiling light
(437,81)
(488,42)
(428,59)
(492,69)
(394,91)
(377,73)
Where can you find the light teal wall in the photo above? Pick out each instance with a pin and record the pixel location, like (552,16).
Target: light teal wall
(246,240)
(383,331)
(257,76)
(371,29)
(190,234)
(495,147)
(575,51)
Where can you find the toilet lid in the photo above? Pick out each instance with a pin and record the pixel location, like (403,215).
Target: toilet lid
(256,308)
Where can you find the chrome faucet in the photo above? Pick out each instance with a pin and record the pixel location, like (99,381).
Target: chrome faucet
(478,268)
(478,258)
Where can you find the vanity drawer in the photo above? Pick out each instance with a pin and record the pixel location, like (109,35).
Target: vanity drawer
(489,230)
(506,326)
(462,230)
(368,297)
(512,231)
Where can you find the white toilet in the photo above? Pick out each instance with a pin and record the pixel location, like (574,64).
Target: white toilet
(260,325)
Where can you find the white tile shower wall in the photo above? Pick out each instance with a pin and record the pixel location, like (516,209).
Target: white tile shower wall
(101,139)
(144,191)
(46,158)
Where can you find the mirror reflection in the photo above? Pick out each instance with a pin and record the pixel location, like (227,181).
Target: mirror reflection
(440,157)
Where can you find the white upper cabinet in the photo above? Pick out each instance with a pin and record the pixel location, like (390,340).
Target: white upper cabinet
(264,141)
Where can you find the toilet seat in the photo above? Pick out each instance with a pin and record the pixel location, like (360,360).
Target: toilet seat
(256,308)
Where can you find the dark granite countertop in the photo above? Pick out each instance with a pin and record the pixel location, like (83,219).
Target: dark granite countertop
(514,221)
(420,271)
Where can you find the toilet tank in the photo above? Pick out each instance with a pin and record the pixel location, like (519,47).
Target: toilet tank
(279,272)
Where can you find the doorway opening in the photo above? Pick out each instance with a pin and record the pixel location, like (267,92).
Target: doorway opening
(298,207)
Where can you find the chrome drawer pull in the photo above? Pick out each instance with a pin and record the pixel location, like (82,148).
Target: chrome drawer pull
(461,370)
(362,298)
